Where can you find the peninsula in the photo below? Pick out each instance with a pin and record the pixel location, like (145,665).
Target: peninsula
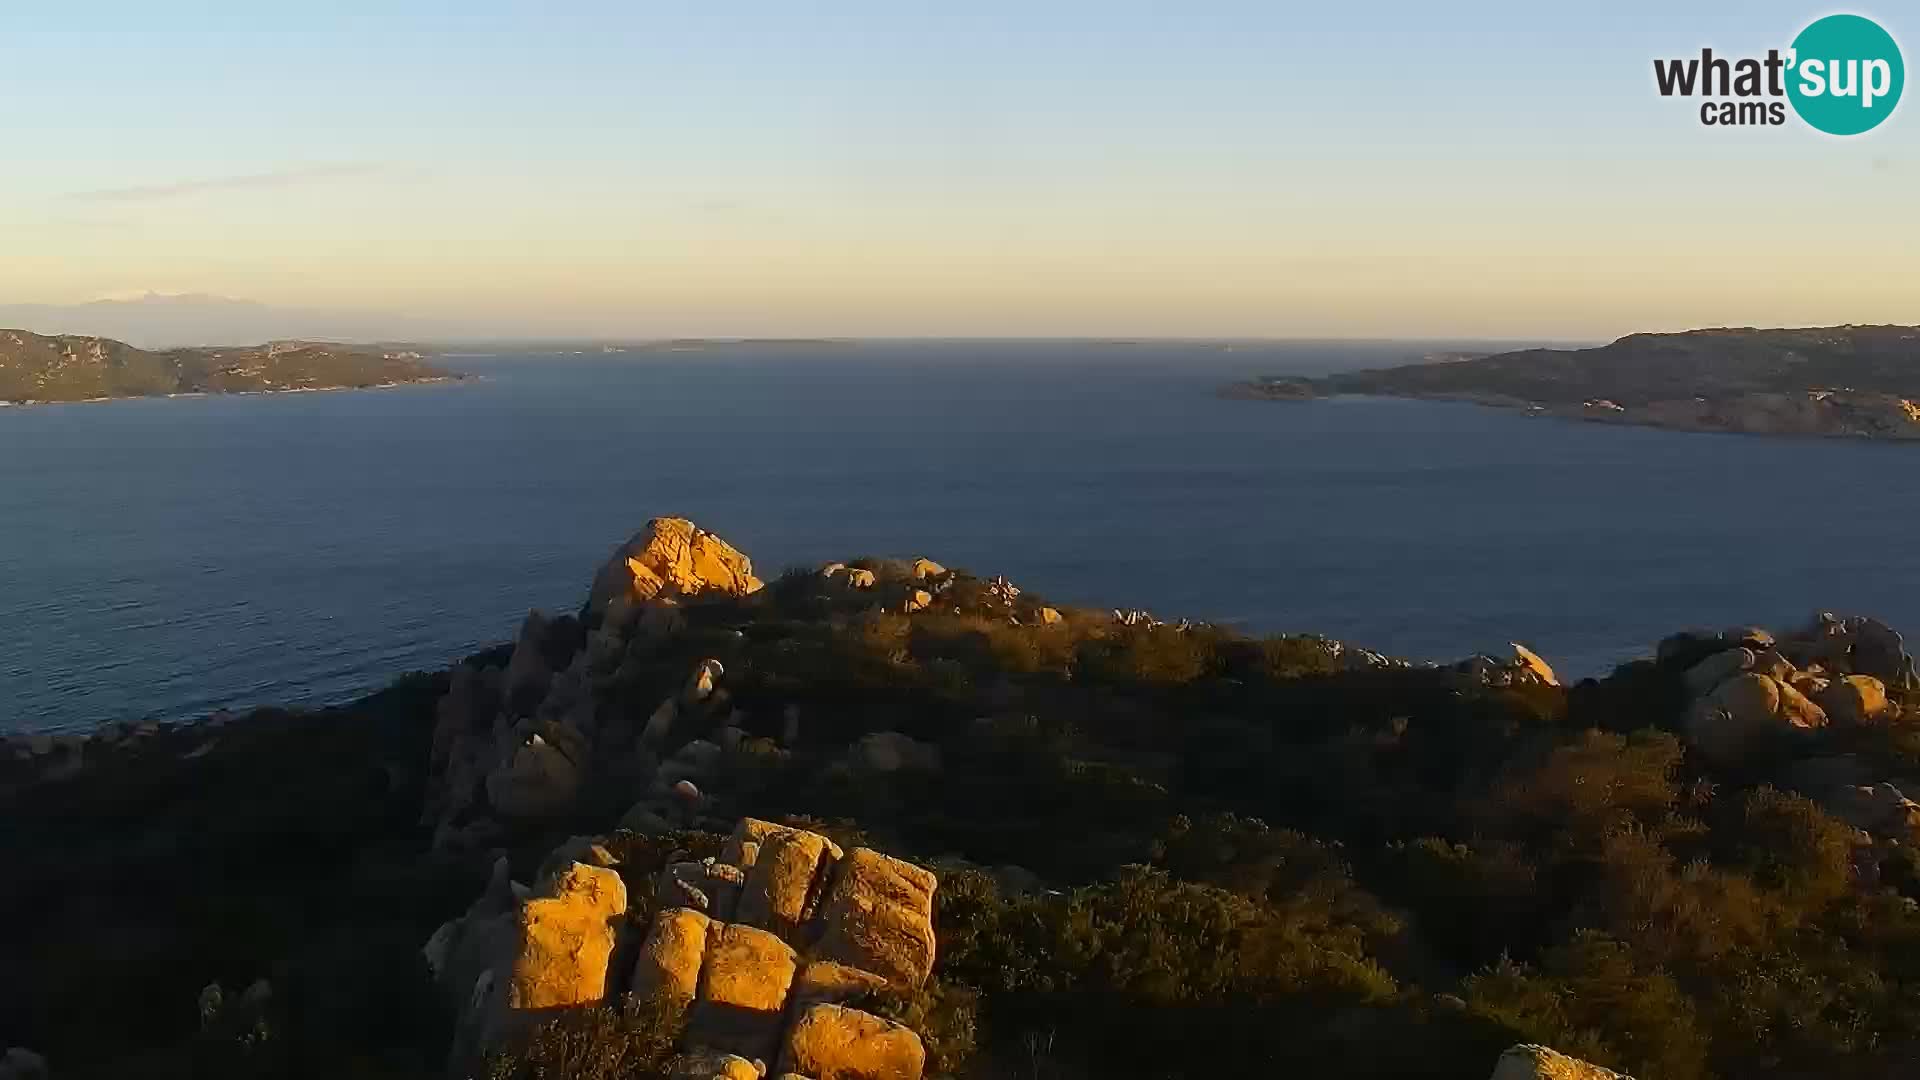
(37,368)
(1846,381)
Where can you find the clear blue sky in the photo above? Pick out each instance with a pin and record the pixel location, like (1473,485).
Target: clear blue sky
(1357,169)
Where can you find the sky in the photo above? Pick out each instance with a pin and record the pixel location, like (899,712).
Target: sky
(900,168)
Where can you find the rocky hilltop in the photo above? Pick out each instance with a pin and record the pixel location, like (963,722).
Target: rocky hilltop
(1854,381)
(887,820)
(36,368)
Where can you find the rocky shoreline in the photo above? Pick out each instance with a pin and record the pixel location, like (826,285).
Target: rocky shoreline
(884,819)
(433,380)
(1814,413)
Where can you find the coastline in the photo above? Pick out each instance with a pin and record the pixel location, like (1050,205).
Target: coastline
(1698,416)
(1847,381)
(435,380)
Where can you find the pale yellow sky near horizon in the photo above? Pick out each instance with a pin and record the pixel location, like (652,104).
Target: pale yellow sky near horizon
(1109,172)
(1474,269)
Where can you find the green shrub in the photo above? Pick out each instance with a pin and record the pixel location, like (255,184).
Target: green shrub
(1788,843)
(1160,655)
(1296,656)
(1591,1000)
(632,1042)
(1901,871)
(1147,936)
(1584,791)
(989,646)
(1472,904)
(1800,1004)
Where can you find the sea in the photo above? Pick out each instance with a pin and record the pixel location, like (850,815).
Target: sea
(164,558)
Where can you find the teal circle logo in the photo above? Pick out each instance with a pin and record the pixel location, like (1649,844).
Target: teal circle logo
(1845,75)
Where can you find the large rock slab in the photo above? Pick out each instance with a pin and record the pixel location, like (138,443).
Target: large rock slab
(707,1065)
(464,950)
(743,991)
(1854,700)
(1688,647)
(1882,810)
(1532,661)
(659,620)
(832,1042)
(671,958)
(781,881)
(466,742)
(879,917)
(528,673)
(1745,713)
(672,559)
(1771,663)
(565,939)
(541,775)
(1878,650)
(463,711)
(743,847)
(829,983)
(1702,677)
(1858,645)
(1798,711)
(1528,1062)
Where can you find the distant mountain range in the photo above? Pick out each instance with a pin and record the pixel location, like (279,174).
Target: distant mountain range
(164,320)
(1859,381)
(41,368)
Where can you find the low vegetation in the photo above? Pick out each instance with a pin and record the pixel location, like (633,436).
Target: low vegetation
(1163,851)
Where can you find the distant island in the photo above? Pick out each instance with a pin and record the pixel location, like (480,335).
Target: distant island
(36,368)
(1842,381)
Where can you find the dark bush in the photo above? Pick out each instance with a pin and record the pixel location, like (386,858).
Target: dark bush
(634,1041)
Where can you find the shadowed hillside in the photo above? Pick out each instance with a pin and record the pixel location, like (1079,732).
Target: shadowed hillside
(888,819)
(36,368)
(1861,381)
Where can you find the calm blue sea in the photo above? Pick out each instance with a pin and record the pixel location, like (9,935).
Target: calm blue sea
(164,558)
